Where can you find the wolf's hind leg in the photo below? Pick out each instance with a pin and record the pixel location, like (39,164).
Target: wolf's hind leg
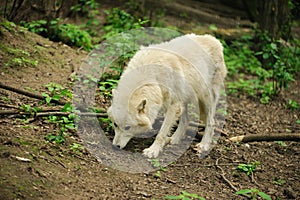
(181,129)
(202,112)
(206,143)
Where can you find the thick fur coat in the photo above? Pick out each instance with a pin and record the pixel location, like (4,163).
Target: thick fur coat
(166,77)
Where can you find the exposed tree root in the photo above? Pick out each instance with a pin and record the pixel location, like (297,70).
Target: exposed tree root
(273,137)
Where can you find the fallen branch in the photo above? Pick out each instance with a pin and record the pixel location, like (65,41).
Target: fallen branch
(49,113)
(8,106)
(9,112)
(87,114)
(273,137)
(28,94)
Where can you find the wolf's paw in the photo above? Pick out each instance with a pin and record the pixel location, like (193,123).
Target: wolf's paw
(152,152)
(202,149)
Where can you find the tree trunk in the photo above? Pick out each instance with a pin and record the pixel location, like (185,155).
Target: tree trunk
(29,10)
(273,17)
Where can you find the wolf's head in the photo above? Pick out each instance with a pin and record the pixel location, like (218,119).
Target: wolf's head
(136,116)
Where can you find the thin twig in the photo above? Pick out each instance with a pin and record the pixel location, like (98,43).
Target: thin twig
(28,94)
(223,175)
(8,106)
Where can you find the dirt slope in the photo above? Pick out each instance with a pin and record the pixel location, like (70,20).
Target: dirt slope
(55,171)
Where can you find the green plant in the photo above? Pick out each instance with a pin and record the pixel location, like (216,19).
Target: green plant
(185,196)
(63,123)
(107,86)
(57,92)
(293,105)
(263,73)
(281,143)
(76,148)
(118,21)
(253,193)
(60,138)
(156,164)
(38,26)
(278,181)
(273,59)
(19,58)
(29,109)
(21,62)
(58,31)
(74,35)
(6,99)
(281,57)
(10,26)
(106,122)
(85,6)
(248,168)
(89,8)
(90,79)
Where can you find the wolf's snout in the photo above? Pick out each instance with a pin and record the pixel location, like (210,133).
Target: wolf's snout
(116,146)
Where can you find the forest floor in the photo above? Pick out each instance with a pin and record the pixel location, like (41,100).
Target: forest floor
(34,168)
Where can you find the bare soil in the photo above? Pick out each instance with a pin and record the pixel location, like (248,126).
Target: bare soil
(55,171)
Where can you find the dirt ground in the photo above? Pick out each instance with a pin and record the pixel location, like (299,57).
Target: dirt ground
(33,168)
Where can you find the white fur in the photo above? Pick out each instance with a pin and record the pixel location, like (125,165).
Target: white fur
(167,77)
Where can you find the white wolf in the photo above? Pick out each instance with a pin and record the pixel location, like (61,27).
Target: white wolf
(165,77)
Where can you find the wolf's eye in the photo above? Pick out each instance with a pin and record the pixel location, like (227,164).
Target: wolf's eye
(127,128)
(115,125)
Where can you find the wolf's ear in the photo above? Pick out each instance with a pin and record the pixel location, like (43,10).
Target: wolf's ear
(141,106)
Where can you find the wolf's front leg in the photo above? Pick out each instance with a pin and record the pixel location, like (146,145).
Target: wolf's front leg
(162,137)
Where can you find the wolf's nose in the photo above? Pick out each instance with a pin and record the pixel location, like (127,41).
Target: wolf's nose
(116,146)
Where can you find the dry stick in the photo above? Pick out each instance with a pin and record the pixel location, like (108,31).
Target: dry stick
(48,113)
(8,106)
(225,179)
(28,94)
(87,114)
(273,137)
(9,112)
(198,125)
(223,175)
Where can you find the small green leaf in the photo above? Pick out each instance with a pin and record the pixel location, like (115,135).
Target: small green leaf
(245,191)
(70,126)
(274,46)
(185,198)
(266,56)
(102,88)
(56,97)
(48,99)
(173,197)
(45,94)
(67,107)
(264,196)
